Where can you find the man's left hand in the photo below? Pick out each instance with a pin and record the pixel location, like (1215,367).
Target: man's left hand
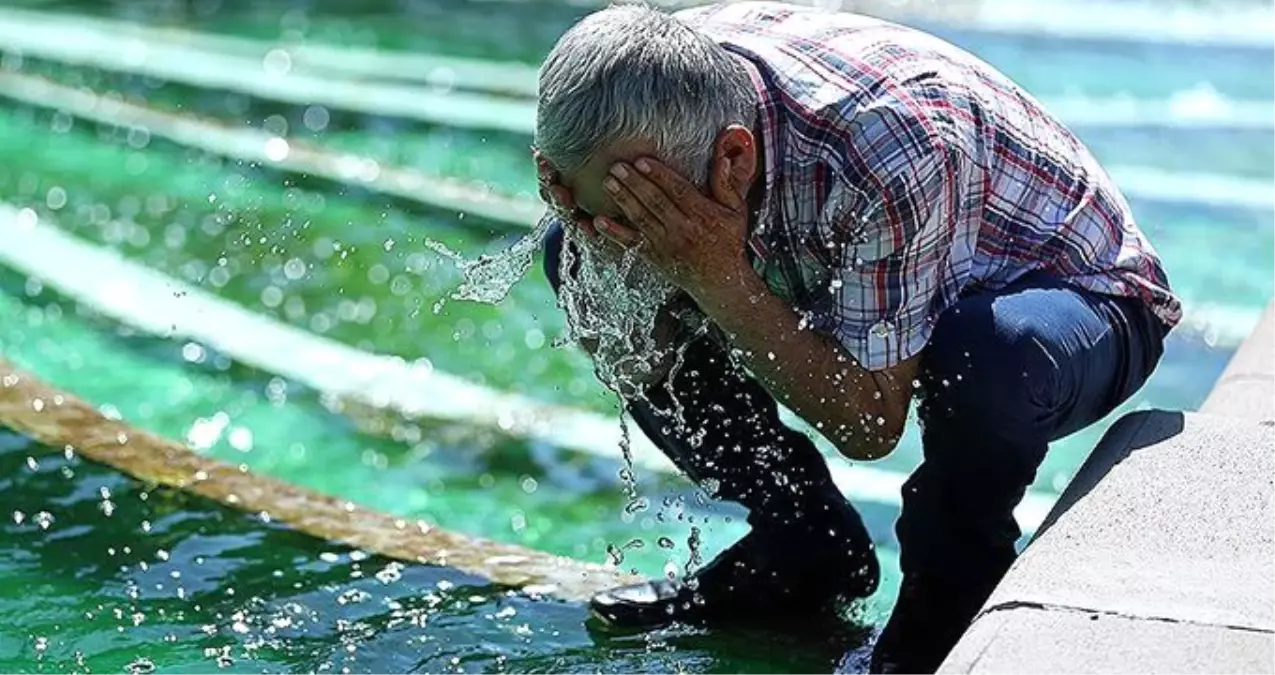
(695,240)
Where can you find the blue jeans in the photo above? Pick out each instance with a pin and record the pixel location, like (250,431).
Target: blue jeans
(1004,373)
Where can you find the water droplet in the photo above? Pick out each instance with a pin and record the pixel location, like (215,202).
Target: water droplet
(241,439)
(353,596)
(43,520)
(390,573)
(140,666)
(316,118)
(277,149)
(615,556)
(665,542)
(277,62)
(882,329)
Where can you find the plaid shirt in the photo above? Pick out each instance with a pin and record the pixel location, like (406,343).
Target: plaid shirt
(902,173)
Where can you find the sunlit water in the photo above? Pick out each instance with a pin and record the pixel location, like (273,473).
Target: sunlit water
(356,267)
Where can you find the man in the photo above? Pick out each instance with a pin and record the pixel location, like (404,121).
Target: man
(864,214)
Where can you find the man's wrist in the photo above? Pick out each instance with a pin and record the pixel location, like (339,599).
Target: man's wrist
(730,292)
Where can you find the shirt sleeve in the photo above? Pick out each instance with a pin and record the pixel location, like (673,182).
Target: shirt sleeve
(897,238)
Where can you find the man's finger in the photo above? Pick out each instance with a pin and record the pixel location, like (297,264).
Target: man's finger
(645,205)
(635,214)
(562,197)
(587,227)
(681,191)
(624,236)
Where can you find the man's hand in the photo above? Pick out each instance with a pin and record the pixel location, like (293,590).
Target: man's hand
(695,240)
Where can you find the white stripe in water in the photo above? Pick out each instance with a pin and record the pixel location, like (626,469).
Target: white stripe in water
(1205,189)
(1211,24)
(154,303)
(1214,24)
(304,74)
(1197,108)
(238,73)
(434,69)
(265,79)
(252,145)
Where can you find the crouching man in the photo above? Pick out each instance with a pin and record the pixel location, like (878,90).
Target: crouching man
(865,215)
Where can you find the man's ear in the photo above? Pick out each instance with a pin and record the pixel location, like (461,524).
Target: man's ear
(735,164)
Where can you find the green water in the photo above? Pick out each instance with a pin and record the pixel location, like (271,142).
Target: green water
(350,265)
(193,587)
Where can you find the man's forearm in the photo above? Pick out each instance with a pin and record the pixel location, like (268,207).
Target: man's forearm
(807,371)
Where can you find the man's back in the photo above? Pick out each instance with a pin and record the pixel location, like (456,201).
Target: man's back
(906,172)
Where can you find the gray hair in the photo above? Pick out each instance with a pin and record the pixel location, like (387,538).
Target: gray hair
(633,72)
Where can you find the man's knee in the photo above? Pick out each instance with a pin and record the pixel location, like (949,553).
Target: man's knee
(986,366)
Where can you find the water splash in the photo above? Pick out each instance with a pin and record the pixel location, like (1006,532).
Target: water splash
(491,277)
(634,324)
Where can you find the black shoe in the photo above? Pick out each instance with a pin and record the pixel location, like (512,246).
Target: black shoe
(758,574)
(927,621)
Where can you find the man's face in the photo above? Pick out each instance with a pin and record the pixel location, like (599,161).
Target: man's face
(586,184)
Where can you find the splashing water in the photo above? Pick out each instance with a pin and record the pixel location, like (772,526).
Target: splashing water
(619,309)
(634,324)
(490,278)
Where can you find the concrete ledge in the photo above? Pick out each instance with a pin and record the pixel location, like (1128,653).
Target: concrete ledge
(1166,538)
(1247,386)
(1077,641)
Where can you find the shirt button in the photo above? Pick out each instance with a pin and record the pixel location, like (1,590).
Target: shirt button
(882,329)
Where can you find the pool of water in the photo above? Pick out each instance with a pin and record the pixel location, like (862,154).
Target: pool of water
(91,591)
(185,585)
